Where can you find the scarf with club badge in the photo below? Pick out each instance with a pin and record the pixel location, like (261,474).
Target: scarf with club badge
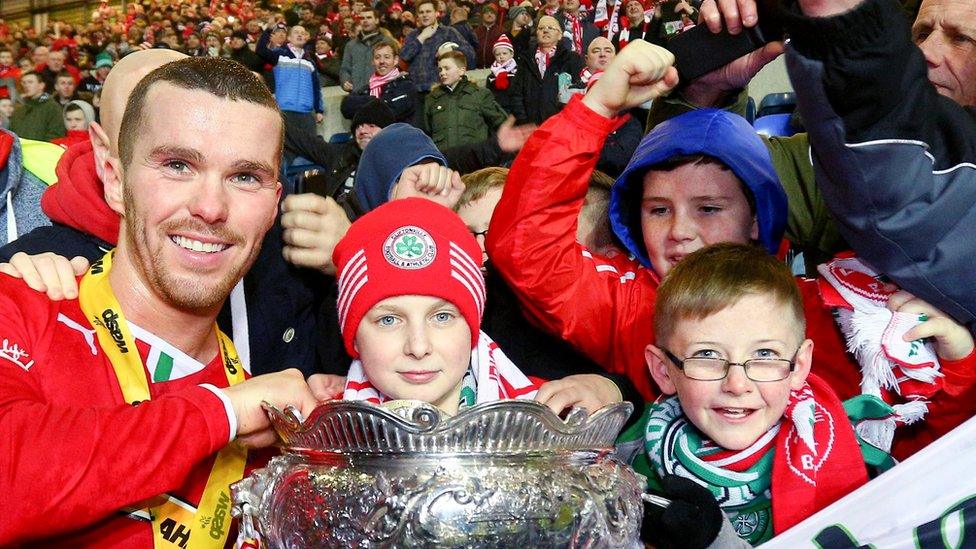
(890,366)
(490,377)
(804,463)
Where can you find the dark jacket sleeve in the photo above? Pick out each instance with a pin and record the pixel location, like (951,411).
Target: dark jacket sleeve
(516,94)
(60,239)
(471,157)
(310,145)
(402,98)
(466,48)
(262,49)
(351,103)
(893,158)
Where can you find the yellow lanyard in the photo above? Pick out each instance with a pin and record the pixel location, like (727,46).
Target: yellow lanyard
(174,523)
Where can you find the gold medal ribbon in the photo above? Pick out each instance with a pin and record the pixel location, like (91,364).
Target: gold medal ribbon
(174,522)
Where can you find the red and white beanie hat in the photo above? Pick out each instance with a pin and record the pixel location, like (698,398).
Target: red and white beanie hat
(411,246)
(503,42)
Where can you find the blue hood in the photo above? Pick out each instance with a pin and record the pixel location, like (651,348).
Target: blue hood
(716,133)
(395,148)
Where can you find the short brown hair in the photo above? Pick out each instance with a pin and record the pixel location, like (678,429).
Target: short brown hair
(478,183)
(717,277)
(676,162)
(457,56)
(217,76)
(387,43)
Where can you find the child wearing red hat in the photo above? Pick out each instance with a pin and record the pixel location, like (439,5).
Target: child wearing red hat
(502,71)
(411,297)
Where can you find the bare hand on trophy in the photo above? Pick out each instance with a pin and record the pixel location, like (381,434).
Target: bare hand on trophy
(280,389)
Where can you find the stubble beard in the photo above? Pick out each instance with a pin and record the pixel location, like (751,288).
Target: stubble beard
(190,293)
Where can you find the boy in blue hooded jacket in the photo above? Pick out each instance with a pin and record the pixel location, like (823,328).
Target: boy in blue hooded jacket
(700,178)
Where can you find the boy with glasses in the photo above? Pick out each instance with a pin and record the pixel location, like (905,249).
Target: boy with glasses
(741,414)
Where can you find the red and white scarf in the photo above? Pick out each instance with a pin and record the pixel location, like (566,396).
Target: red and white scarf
(589,78)
(574,31)
(376,82)
(542,59)
(508,66)
(495,377)
(624,37)
(889,365)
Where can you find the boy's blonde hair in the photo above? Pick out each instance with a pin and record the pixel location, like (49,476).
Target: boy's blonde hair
(717,277)
(457,56)
(478,183)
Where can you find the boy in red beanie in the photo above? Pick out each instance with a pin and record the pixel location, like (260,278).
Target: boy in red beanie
(411,296)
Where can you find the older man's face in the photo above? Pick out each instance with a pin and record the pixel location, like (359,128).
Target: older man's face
(599,54)
(945,31)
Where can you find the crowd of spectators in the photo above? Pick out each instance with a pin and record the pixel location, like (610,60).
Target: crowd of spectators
(535,54)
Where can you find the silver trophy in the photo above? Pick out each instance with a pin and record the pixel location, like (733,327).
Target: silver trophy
(502,474)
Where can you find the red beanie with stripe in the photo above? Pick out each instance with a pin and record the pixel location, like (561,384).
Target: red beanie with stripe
(411,246)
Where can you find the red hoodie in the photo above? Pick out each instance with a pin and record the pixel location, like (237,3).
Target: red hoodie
(72,137)
(78,198)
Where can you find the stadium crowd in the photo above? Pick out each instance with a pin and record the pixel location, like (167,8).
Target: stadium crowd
(616,232)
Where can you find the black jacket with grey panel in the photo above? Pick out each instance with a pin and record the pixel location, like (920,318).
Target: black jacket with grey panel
(895,161)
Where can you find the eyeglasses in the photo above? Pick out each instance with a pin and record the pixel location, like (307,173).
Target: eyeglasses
(714,369)
(482,234)
(554,29)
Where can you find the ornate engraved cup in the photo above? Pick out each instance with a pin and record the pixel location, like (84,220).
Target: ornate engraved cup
(503,474)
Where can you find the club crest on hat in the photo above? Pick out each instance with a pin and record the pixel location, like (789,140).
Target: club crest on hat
(409,247)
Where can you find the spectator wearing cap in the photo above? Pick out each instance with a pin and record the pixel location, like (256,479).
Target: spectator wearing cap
(327,63)
(393,22)
(387,83)
(502,72)
(241,52)
(519,28)
(488,33)
(420,47)
(340,159)
(357,56)
(94,81)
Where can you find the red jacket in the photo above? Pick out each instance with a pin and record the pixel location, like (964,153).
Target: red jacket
(72,137)
(74,452)
(604,307)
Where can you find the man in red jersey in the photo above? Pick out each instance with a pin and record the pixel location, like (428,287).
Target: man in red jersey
(119,406)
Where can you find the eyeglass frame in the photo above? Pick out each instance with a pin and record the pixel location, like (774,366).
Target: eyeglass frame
(680,364)
(483,234)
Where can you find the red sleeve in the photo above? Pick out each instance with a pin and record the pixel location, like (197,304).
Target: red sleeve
(948,409)
(960,375)
(65,467)
(568,291)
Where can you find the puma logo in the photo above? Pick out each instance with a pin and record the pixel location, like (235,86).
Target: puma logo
(89,335)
